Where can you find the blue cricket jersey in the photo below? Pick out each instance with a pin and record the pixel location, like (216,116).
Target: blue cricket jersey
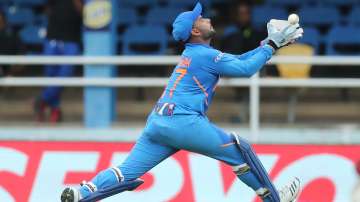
(192,84)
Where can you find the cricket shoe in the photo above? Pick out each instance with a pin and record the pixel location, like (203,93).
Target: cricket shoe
(70,195)
(290,192)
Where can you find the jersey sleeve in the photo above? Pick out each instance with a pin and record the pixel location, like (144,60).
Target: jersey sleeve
(236,66)
(248,54)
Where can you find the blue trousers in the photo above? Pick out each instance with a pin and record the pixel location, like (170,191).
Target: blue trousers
(165,135)
(51,94)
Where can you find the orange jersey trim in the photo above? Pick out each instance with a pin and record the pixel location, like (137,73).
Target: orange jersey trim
(202,89)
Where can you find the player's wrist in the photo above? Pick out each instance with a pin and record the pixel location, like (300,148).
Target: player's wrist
(273,45)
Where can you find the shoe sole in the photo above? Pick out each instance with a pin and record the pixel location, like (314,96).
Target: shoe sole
(67,195)
(299,189)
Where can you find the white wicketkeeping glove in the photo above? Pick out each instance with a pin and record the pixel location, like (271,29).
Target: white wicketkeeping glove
(282,33)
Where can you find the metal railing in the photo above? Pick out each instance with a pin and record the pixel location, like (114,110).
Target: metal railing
(254,83)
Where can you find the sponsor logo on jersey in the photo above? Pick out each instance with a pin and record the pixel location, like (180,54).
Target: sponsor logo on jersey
(185,62)
(218,57)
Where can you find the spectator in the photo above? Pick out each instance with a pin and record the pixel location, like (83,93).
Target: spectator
(10,45)
(356,191)
(244,36)
(63,38)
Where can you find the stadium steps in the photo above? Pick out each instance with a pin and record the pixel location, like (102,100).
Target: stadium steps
(230,105)
(272,112)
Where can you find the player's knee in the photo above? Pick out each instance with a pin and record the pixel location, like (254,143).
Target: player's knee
(241,142)
(89,187)
(117,173)
(263,193)
(241,169)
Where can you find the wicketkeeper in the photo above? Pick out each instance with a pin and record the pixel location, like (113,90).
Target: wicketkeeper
(178,120)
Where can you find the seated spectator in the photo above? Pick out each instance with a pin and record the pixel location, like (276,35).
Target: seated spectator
(10,45)
(244,36)
(63,38)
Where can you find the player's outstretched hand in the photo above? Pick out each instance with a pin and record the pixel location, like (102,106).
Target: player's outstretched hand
(285,34)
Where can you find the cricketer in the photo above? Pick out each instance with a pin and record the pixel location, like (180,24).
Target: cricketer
(178,120)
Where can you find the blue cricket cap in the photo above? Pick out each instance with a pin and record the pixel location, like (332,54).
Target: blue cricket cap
(184,22)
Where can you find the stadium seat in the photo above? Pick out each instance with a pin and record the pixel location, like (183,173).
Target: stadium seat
(263,14)
(187,3)
(338,2)
(145,39)
(284,2)
(343,40)
(33,35)
(354,16)
(4,3)
(126,16)
(294,71)
(162,15)
(229,30)
(17,16)
(29,2)
(136,3)
(311,37)
(317,16)
(41,20)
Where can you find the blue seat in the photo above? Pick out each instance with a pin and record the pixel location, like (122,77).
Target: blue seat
(316,16)
(29,2)
(229,30)
(3,8)
(343,40)
(263,14)
(41,20)
(136,3)
(17,16)
(4,3)
(137,38)
(187,3)
(126,16)
(311,37)
(33,35)
(162,15)
(338,2)
(354,16)
(309,3)
(284,2)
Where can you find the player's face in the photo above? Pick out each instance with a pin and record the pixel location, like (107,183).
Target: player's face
(205,28)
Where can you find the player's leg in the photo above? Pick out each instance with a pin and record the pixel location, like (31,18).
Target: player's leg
(237,152)
(144,156)
(286,194)
(197,134)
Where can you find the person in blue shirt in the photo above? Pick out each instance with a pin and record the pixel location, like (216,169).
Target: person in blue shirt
(178,120)
(63,39)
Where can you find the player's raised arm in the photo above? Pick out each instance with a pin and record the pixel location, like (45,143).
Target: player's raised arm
(230,65)
(248,54)
(249,63)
